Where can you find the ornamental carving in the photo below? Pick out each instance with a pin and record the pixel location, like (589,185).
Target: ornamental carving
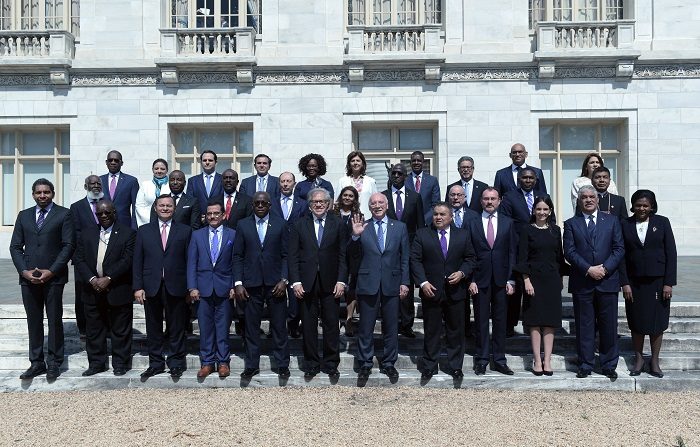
(401,75)
(584,72)
(11,80)
(667,71)
(114,80)
(206,78)
(335,77)
(480,74)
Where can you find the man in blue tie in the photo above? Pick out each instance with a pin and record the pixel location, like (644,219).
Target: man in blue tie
(208,184)
(261,180)
(210,281)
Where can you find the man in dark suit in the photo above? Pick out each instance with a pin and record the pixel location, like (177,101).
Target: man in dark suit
(380,246)
(186,206)
(103,262)
(83,212)
(318,274)
(607,202)
(472,187)
(160,284)
(260,274)
(594,247)
(405,206)
(442,258)
(424,184)
(42,243)
(262,180)
(120,189)
(495,242)
(506,178)
(210,282)
(207,184)
(237,205)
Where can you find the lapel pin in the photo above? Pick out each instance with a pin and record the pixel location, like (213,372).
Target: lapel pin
(653,229)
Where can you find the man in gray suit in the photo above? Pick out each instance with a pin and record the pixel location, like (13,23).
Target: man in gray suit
(380,245)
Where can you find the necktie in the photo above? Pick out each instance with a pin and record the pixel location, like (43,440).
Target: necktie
(458,218)
(40,219)
(261,233)
(215,246)
(112,186)
(591,227)
(443,243)
(490,233)
(93,204)
(228,206)
(175,198)
(529,200)
(380,236)
(285,207)
(418,184)
(399,205)
(208,186)
(261,184)
(468,193)
(164,235)
(101,250)
(320,231)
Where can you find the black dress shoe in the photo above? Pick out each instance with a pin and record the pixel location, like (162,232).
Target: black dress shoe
(427,375)
(456,373)
(407,332)
(92,370)
(480,369)
(635,372)
(310,373)
(248,373)
(333,373)
(33,371)
(548,373)
(582,373)
(283,372)
(510,332)
(177,372)
(503,369)
(52,373)
(390,371)
(150,372)
(658,373)
(610,373)
(119,371)
(364,373)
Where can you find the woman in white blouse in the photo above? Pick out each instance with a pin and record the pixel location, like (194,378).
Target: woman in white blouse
(150,190)
(366,186)
(591,162)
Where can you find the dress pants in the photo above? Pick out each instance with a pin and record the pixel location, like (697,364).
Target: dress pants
(79,308)
(407,310)
(435,310)
(214,315)
(370,306)
(176,320)
(253,309)
(293,309)
(591,310)
(102,318)
(35,297)
(490,302)
(514,305)
(314,301)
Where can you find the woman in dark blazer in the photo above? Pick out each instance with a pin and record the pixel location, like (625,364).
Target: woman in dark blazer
(312,166)
(648,277)
(348,205)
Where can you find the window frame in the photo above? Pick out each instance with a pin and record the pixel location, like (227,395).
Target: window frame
(546,11)
(13,19)
(216,15)
(421,13)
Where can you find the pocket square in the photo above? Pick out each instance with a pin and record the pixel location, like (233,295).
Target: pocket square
(186,206)
(229,242)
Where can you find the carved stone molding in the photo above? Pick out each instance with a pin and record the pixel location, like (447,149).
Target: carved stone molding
(667,71)
(100,80)
(289,77)
(207,78)
(484,74)
(28,80)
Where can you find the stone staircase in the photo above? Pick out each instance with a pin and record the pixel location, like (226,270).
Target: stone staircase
(680,360)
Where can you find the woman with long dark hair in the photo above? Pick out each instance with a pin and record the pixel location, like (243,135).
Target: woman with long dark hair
(590,163)
(346,207)
(355,175)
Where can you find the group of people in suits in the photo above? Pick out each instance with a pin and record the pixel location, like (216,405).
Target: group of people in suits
(223,253)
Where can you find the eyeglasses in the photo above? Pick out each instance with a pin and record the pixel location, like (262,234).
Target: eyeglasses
(113,160)
(456,194)
(397,174)
(467,168)
(261,202)
(103,213)
(214,213)
(318,202)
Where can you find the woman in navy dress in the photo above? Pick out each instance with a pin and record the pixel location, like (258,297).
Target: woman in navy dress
(648,277)
(312,166)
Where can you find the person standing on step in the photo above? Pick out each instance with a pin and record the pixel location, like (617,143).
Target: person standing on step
(424,184)
(121,189)
(208,184)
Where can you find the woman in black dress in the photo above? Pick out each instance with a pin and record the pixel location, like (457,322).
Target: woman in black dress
(541,261)
(648,277)
(348,205)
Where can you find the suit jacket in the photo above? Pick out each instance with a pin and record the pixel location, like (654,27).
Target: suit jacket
(307,259)
(656,257)
(504,181)
(581,252)
(202,273)
(196,188)
(412,216)
(116,264)
(303,187)
(429,264)
(494,263)
(153,264)
(467,215)
(514,206)
(81,211)
(382,272)
(241,207)
(612,204)
(429,192)
(186,212)
(124,197)
(256,264)
(249,186)
(478,188)
(300,209)
(50,247)
(145,200)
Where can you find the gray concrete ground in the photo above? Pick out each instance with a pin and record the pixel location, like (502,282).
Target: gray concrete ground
(686,290)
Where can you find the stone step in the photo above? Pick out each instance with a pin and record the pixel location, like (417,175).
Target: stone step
(72,380)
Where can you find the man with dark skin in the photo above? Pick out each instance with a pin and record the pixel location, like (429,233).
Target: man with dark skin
(120,188)
(237,204)
(186,206)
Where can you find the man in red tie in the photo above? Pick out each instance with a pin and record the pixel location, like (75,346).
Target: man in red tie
(237,205)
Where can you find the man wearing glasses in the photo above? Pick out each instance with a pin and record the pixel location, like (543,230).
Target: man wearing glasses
(472,187)
(120,189)
(507,178)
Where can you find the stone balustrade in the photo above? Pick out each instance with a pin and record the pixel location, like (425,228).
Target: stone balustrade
(36,44)
(576,36)
(394,39)
(213,42)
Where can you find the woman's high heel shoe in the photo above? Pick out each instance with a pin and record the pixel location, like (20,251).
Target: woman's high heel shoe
(537,373)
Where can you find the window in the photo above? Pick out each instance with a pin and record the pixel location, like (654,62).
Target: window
(27,154)
(216,14)
(394,12)
(18,15)
(564,146)
(574,10)
(233,147)
(385,145)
